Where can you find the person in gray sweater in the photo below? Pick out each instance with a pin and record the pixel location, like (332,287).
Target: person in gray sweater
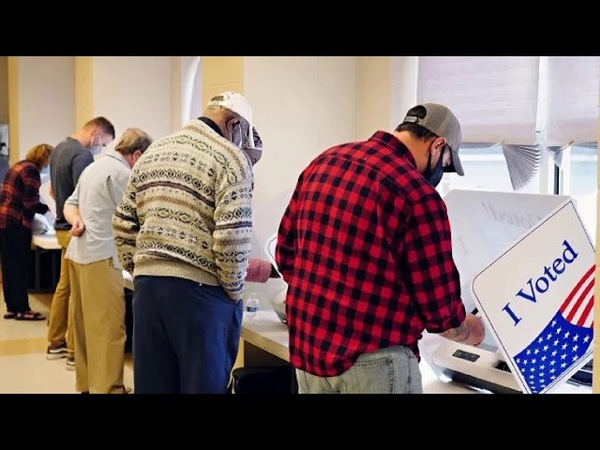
(69,158)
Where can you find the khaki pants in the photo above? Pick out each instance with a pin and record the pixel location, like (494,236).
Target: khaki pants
(61,316)
(99,317)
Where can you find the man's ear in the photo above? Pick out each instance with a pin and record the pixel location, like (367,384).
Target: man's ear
(439,142)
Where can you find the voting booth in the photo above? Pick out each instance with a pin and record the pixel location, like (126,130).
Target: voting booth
(527,264)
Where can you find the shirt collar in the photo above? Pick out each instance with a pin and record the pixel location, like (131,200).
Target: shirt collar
(211,123)
(115,154)
(392,142)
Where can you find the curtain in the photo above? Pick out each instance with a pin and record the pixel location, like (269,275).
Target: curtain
(494,98)
(573,93)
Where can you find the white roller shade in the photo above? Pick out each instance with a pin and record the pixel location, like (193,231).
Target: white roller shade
(494,98)
(573,100)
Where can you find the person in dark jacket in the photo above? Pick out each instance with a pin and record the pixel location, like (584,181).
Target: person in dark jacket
(19,202)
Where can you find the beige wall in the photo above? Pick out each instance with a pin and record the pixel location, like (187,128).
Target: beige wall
(387,88)
(84,90)
(221,74)
(3,89)
(374,95)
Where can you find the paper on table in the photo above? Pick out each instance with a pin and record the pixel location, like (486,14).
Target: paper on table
(46,198)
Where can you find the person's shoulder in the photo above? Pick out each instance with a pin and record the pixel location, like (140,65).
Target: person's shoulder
(25,166)
(416,189)
(68,143)
(68,149)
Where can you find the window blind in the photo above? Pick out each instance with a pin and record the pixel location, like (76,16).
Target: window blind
(573,96)
(494,98)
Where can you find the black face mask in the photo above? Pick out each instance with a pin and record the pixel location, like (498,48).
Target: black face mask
(434,176)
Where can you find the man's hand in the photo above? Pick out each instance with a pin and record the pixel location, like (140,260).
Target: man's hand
(475,324)
(470,332)
(77,228)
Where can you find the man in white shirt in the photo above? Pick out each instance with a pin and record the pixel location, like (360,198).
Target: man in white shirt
(96,274)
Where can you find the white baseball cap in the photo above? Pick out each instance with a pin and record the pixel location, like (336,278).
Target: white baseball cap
(237,103)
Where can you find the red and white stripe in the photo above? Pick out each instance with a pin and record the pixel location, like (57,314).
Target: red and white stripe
(578,308)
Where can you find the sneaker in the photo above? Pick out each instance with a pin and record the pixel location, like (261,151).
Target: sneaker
(70,363)
(57,352)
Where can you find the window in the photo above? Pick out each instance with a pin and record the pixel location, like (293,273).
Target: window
(485,168)
(520,112)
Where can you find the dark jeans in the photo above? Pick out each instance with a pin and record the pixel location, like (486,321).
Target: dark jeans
(185,336)
(15,257)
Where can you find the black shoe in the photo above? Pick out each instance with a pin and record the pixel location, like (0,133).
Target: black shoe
(57,352)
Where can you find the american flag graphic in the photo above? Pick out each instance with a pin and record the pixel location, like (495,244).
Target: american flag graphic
(563,342)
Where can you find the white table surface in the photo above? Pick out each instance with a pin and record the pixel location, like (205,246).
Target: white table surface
(268,333)
(48,241)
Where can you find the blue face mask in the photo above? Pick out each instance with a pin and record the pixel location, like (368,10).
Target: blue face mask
(434,176)
(45,170)
(96,149)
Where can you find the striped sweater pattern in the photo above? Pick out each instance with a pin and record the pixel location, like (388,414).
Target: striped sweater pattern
(187,211)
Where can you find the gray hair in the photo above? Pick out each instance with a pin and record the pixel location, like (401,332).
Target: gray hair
(133,139)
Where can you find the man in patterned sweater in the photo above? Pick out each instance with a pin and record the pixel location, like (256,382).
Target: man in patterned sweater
(183,230)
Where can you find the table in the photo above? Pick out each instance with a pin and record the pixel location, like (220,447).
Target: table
(45,245)
(267,335)
(264,341)
(48,241)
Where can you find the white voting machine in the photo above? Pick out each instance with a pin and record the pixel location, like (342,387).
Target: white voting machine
(526,263)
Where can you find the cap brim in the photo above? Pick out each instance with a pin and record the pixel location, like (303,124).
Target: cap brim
(456,165)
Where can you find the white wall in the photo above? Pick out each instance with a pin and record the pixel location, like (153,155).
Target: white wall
(302,105)
(404,86)
(46,91)
(133,92)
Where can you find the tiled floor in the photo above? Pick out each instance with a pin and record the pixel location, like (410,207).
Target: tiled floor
(23,364)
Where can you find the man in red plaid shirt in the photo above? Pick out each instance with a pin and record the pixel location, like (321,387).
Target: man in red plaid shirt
(365,248)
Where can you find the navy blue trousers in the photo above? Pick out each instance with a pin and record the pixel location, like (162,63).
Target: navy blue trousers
(185,336)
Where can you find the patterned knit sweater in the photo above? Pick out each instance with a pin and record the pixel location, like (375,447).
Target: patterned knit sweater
(187,211)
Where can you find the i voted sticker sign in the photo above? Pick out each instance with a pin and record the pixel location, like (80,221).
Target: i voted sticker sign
(538,299)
